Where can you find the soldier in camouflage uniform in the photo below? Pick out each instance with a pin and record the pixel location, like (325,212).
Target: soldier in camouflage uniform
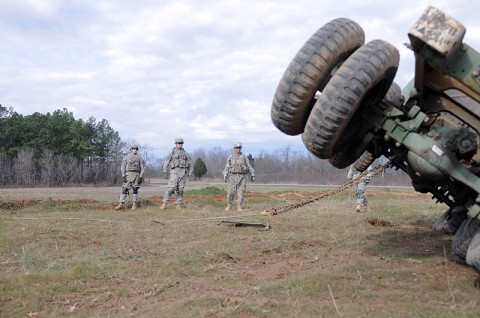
(178,163)
(235,172)
(362,201)
(132,169)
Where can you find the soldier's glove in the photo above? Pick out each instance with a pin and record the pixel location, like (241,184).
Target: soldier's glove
(140,180)
(225,179)
(252,178)
(124,179)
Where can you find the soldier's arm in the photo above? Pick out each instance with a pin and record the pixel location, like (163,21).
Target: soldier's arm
(166,161)
(250,168)
(123,167)
(226,170)
(142,167)
(189,164)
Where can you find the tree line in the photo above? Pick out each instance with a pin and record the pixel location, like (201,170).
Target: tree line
(55,149)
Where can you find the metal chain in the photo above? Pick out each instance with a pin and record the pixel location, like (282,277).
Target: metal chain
(365,174)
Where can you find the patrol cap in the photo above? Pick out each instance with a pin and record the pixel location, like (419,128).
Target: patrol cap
(134,147)
(179,140)
(237,144)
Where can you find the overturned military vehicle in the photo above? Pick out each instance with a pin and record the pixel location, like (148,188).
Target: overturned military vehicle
(339,94)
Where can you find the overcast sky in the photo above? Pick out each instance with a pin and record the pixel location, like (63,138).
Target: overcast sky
(202,70)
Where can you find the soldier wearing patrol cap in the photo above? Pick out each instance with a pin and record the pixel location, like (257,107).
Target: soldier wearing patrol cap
(132,169)
(236,169)
(178,164)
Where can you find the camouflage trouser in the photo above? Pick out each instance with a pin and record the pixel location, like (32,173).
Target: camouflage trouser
(360,190)
(132,183)
(237,183)
(178,179)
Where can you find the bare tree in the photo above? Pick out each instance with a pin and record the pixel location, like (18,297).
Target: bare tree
(47,167)
(67,169)
(24,168)
(6,169)
(147,155)
(215,160)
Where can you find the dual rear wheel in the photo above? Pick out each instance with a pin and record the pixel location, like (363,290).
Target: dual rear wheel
(346,76)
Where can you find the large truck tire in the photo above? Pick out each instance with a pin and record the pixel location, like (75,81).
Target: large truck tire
(394,95)
(334,120)
(450,221)
(310,70)
(473,253)
(350,154)
(464,236)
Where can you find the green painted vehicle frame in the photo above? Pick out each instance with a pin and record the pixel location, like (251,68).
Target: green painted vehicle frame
(433,136)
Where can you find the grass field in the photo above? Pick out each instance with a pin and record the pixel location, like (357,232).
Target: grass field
(67,252)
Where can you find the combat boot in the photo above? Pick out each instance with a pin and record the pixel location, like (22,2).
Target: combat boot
(239,208)
(229,206)
(179,206)
(164,206)
(121,205)
(134,206)
(358,208)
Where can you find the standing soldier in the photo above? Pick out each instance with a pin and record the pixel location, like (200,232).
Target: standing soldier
(234,173)
(353,174)
(132,169)
(178,162)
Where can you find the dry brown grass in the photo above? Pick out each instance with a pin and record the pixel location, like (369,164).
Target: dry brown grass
(68,255)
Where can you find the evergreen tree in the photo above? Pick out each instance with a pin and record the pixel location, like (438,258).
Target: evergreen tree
(199,168)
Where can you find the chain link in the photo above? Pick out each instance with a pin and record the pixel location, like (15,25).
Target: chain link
(363,176)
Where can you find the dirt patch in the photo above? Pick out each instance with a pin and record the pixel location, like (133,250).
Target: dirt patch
(202,200)
(379,222)
(39,204)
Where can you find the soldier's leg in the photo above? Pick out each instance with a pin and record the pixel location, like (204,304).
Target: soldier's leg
(172,185)
(166,197)
(241,187)
(168,194)
(135,198)
(179,199)
(361,198)
(123,196)
(135,195)
(180,186)
(230,190)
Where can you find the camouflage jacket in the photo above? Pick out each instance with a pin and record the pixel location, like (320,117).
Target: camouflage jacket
(133,163)
(238,164)
(177,159)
